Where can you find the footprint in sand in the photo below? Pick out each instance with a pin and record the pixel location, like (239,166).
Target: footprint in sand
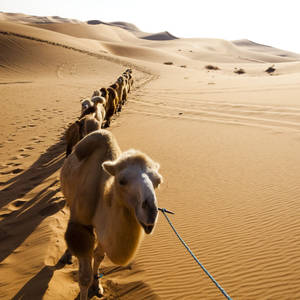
(32,125)
(18,203)
(17,171)
(29,148)
(14,171)
(24,155)
(38,141)
(14,158)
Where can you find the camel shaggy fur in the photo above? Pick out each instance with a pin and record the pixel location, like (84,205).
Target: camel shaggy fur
(96,93)
(122,90)
(112,203)
(85,104)
(77,130)
(99,103)
(128,73)
(91,119)
(118,103)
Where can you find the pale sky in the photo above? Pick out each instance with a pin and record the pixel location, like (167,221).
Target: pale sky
(271,22)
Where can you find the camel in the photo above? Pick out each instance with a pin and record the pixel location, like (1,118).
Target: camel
(96,93)
(97,108)
(111,195)
(99,103)
(128,72)
(129,80)
(85,104)
(122,91)
(77,130)
(116,87)
(91,119)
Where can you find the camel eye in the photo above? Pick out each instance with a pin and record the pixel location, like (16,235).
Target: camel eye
(122,181)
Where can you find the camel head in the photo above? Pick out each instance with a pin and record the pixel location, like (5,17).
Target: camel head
(115,86)
(85,104)
(96,93)
(120,80)
(135,179)
(103,92)
(98,100)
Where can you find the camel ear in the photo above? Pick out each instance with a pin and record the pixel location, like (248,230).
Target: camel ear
(156,166)
(154,176)
(157,179)
(109,167)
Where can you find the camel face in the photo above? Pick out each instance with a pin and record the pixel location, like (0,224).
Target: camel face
(136,178)
(120,80)
(137,190)
(85,104)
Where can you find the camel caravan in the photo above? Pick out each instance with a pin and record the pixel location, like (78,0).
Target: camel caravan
(97,112)
(110,193)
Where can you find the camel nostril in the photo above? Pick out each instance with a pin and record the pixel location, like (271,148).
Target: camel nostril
(145,204)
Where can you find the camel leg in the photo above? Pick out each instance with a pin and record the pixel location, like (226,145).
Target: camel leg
(85,275)
(98,257)
(69,150)
(67,257)
(107,124)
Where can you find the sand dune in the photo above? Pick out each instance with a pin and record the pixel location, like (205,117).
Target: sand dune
(27,19)
(228,146)
(161,36)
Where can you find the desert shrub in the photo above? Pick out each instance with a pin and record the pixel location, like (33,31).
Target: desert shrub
(270,69)
(211,67)
(239,71)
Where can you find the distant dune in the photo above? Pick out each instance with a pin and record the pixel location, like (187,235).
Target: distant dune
(161,36)
(221,117)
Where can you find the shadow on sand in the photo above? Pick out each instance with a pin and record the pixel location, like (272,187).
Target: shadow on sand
(36,287)
(34,210)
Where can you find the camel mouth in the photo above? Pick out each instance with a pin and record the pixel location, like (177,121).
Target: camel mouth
(147,228)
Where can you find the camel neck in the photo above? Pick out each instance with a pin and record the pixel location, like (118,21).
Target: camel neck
(120,232)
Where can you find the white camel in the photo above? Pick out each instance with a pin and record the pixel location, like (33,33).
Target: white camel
(112,203)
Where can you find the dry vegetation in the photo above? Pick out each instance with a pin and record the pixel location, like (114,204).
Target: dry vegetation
(239,71)
(211,67)
(271,69)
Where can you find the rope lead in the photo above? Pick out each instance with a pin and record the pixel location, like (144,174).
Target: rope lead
(164,211)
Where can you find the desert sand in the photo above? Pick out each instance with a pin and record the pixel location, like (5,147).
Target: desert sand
(228,145)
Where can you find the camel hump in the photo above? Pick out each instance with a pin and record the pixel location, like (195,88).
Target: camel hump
(111,92)
(93,141)
(88,111)
(98,99)
(103,92)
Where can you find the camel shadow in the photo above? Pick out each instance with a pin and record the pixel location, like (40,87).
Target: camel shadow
(37,286)
(129,290)
(47,164)
(31,212)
